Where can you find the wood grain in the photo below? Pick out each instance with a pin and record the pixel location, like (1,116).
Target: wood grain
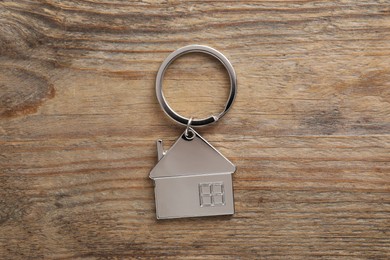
(309,131)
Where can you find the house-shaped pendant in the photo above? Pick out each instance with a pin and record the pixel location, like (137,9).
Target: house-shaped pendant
(192,179)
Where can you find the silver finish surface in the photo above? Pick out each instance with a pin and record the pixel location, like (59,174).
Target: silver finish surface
(176,54)
(191,157)
(179,197)
(192,179)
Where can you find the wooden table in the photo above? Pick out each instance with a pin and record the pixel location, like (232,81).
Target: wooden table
(309,130)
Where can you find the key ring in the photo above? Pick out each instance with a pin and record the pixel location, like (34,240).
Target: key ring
(192,178)
(190,49)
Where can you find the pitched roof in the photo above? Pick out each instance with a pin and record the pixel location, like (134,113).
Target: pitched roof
(191,157)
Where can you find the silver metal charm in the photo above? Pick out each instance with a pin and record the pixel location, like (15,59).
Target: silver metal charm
(192,178)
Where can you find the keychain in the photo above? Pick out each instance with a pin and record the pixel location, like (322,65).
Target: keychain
(193,179)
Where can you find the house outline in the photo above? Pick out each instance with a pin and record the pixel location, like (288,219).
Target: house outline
(180,173)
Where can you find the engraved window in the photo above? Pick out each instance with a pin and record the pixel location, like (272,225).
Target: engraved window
(211,194)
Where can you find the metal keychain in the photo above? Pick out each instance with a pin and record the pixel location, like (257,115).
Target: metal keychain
(192,178)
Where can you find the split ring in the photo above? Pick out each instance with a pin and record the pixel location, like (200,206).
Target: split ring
(190,49)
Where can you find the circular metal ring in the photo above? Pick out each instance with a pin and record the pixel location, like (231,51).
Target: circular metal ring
(189,49)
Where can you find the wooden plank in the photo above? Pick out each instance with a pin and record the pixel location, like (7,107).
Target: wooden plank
(309,131)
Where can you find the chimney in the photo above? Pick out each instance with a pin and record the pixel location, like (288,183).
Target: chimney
(160,150)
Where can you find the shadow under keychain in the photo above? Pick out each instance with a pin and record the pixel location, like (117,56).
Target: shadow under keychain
(193,179)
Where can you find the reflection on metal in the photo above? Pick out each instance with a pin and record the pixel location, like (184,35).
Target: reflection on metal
(192,179)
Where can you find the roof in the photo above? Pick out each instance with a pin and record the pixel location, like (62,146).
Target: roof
(191,157)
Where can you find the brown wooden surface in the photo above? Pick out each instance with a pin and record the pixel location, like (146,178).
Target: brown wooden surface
(309,131)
